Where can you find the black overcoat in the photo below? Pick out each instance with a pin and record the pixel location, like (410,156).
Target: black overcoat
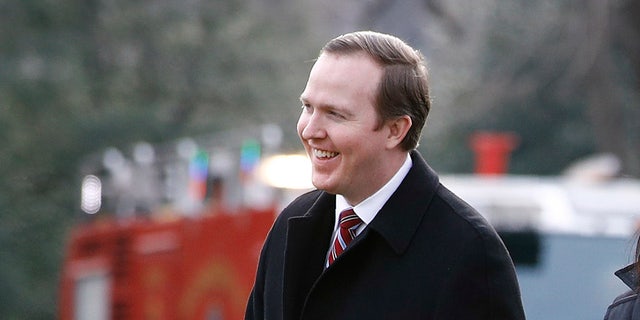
(627,305)
(426,255)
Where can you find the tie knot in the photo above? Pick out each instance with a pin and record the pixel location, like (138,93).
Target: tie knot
(349,219)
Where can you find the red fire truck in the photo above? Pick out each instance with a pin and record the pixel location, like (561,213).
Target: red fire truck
(170,232)
(182,268)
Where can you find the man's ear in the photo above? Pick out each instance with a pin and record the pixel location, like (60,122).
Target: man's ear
(398,128)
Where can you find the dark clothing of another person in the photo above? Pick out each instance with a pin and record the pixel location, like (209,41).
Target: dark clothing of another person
(627,305)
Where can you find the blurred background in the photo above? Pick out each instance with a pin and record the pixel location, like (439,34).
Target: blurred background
(81,77)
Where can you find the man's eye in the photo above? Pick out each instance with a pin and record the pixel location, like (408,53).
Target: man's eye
(336,114)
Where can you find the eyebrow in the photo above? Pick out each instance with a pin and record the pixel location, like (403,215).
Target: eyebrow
(331,107)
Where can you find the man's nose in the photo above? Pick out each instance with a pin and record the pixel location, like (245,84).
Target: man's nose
(312,128)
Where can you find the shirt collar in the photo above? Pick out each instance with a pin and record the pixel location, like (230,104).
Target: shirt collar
(369,207)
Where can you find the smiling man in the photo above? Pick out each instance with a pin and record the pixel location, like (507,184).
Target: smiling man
(380,238)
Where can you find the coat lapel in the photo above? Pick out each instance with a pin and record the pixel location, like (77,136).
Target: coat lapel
(410,200)
(307,243)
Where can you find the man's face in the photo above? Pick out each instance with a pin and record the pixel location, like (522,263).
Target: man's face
(339,126)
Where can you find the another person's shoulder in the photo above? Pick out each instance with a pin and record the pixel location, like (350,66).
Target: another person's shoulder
(624,307)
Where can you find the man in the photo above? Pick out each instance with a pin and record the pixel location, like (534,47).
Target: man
(413,249)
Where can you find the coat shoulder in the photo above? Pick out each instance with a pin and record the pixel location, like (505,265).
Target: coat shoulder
(624,307)
(467,216)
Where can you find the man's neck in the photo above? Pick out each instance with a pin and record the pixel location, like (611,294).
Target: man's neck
(391,170)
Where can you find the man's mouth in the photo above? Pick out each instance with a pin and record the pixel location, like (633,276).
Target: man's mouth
(323,154)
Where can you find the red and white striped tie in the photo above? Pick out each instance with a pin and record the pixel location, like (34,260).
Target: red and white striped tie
(349,222)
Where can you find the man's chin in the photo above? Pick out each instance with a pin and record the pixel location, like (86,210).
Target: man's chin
(324,186)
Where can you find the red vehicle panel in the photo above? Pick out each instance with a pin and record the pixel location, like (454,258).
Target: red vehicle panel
(187,268)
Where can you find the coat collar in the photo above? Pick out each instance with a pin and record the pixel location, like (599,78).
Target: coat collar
(629,275)
(410,200)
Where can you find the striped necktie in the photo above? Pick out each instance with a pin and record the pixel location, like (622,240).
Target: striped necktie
(349,222)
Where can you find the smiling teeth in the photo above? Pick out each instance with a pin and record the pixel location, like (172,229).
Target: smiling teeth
(324,154)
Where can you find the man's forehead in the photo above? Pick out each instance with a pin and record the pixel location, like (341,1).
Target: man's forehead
(350,69)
